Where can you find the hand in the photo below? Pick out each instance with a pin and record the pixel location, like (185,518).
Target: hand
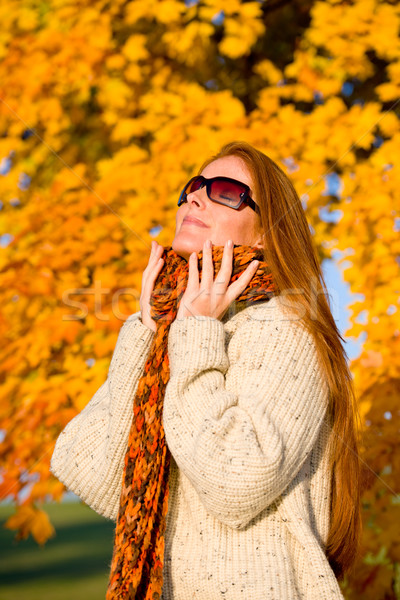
(212,298)
(149,277)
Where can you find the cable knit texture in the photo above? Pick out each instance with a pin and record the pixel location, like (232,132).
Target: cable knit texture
(244,419)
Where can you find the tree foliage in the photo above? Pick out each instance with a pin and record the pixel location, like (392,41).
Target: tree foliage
(106,110)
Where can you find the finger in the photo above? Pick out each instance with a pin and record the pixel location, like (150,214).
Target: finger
(151,276)
(193,277)
(225,271)
(237,287)
(151,272)
(156,252)
(207,272)
(156,269)
(150,256)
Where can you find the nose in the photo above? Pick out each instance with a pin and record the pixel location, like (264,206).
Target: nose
(198,197)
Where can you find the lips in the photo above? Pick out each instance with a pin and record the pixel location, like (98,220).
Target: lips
(194,221)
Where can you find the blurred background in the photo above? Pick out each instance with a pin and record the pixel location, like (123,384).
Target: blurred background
(106,110)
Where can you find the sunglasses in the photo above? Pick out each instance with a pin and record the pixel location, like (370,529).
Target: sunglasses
(223,190)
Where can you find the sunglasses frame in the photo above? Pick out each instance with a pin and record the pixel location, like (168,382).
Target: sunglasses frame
(245,196)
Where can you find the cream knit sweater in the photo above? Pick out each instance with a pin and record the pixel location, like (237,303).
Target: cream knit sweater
(244,419)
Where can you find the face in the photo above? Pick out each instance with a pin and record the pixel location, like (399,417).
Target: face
(220,223)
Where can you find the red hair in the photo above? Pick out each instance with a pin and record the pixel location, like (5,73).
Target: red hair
(290,252)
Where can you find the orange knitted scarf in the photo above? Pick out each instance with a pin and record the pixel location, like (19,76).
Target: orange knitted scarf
(138,555)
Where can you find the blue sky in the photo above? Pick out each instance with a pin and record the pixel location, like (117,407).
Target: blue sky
(340,298)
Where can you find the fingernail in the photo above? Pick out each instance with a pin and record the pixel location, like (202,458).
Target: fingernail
(230,243)
(208,243)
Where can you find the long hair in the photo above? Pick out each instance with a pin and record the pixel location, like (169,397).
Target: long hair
(290,252)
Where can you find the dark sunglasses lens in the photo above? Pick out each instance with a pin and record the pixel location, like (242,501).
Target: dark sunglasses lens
(226,192)
(191,186)
(195,185)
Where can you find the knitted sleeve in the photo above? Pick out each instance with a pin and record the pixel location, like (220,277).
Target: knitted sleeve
(240,423)
(89,453)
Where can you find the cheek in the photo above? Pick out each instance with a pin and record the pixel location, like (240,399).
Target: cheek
(234,223)
(179,218)
(237,226)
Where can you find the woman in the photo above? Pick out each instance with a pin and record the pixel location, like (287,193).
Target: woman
(260,492)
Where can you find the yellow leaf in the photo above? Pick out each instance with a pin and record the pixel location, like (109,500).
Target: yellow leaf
(21,520)
(41,528)
(27,19)
(268,71)
(114,94)
(135,48)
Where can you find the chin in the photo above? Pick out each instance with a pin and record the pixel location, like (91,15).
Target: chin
(184,248)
